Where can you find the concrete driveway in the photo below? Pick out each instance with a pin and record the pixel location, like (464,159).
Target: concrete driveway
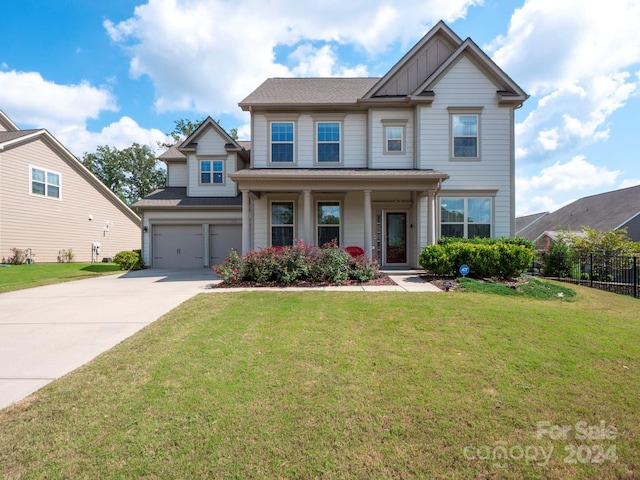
(46,332)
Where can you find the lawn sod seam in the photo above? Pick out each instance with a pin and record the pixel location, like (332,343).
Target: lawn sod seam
(343,385)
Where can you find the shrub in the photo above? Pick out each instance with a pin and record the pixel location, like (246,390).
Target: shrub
(19,257)
(66,256)
(298,262)
(486,257)
(558,260)
(129,260)
(229,271)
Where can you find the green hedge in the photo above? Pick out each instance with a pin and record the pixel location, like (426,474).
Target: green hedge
(486,257)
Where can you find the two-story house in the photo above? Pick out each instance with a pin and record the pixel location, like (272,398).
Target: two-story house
(387,164)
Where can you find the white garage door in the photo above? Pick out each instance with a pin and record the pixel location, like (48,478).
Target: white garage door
(178,246)
(223,239)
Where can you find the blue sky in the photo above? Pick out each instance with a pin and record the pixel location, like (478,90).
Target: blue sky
(117,72)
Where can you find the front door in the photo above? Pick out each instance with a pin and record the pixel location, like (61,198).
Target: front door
(396,238)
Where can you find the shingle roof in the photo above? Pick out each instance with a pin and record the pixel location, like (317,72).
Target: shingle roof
(605,211)
(309,91)
(8,136)
(526,220)
(177,197)
(173,154)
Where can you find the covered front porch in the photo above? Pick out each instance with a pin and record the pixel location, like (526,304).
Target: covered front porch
(390,214)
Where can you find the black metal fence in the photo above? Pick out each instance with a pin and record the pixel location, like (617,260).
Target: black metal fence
(607,272)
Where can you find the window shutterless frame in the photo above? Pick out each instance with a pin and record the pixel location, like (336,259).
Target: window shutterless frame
(45,183)
(282,142)
(211,172)
(282,220)
(465,133)
(466,217)
(329,222)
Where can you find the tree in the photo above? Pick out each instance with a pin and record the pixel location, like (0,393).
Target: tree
(185,127)
(131,173)
(607,242)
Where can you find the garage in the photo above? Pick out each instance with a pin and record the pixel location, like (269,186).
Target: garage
(223,238)
(178,246)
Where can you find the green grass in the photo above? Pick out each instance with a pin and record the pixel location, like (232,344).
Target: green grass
(530,288)
(344,385)
(16,277)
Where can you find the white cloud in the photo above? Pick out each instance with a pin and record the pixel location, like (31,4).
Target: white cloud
(29,98)
(548,190)
(577,58)
(33,102)
(629,182)
(120,134)
(206,55)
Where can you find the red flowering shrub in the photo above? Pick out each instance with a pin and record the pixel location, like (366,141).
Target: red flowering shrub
(298,262)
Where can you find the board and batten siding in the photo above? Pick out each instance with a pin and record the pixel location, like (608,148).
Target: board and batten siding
(48,225)
(465,85)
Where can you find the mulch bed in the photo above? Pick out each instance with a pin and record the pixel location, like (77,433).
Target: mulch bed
(381,280)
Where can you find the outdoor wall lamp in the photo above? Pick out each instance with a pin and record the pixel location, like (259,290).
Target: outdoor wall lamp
(145,229)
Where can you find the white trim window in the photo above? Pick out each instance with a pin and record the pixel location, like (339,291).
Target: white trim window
(394,139)
(282,142)
(329,223)
(328,142)
(465,135)
(211,172)
(45,183)
(282,223)
(466,217)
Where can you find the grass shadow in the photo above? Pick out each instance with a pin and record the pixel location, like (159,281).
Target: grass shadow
(101,268)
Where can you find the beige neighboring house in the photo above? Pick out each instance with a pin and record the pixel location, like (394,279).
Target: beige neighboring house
(50,202)
(385,164)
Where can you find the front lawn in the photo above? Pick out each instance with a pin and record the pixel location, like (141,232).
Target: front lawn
(16,277)
(348,385)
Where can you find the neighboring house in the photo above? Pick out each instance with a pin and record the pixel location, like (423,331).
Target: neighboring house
(50,202)
(386,164)
(606,211)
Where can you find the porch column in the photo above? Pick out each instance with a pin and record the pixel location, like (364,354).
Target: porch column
(307,236)
(368,243)
(246,228)
(432,217)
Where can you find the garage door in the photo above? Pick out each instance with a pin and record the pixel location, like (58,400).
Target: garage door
(178,246)
(223,239)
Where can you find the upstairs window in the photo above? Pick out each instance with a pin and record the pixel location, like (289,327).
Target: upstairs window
(282,223)
(45,183)
(465,217)
(328,136)
(328,222)
(282,142)
(394,139)
(211,172)
(465,136)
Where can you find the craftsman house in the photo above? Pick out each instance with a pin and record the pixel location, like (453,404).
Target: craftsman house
(385,164)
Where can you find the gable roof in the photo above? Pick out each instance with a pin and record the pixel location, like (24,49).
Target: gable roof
(604,211)
(14,139)
(418,63)
(412,79)
(526,220)
(190,143)
(509,90)
(6,124)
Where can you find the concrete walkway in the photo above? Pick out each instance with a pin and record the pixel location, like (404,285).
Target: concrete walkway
(47,332)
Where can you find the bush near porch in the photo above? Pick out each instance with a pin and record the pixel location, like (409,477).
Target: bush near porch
(295,263)
(486,257)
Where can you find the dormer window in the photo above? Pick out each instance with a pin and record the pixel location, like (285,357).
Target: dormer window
(211,172)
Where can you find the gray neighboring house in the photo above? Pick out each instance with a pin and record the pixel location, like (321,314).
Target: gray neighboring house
(50,202)
(605,211)
(385,164)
